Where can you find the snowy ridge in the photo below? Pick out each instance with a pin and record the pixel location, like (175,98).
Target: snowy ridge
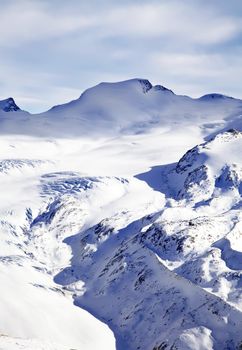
(211,169)
(114,209)
(214,97)
(9,105)
(129,107)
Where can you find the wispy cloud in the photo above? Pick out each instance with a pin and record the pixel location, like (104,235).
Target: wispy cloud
(196,73)
(27,21)
(174,20)
(36,20)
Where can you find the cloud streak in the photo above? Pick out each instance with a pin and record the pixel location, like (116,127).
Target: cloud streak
(23,22)
(173,20)
(30,21)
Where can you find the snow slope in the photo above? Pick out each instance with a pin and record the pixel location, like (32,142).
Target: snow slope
(120,216)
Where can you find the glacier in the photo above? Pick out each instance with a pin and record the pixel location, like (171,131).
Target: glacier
(121,221)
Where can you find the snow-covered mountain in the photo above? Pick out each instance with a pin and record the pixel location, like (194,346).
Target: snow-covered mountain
(129,107)
(122,209)
(8,105)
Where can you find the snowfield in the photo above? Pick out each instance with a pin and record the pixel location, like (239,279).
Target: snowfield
(121,222)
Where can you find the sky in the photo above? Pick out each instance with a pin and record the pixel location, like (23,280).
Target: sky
(52,50)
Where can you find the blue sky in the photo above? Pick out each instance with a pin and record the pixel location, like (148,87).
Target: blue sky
(50,51)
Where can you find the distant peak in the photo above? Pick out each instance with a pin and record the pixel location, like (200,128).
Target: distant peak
(147,86)
(8,105)
(214,96)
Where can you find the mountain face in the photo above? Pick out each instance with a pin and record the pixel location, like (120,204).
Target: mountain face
(8,105)
(211,169)
(120,220)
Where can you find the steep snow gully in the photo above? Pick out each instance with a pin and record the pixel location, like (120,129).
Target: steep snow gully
(121,223)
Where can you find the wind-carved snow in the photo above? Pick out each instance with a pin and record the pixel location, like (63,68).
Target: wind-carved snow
(11,166)
(154,254)
(11,343)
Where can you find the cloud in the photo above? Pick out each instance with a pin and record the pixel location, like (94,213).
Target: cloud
(196,74)
(26,21)
(175,20)
(193,65)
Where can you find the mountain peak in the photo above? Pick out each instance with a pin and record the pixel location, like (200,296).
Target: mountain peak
(146,84)
(214,96)
(8,105)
